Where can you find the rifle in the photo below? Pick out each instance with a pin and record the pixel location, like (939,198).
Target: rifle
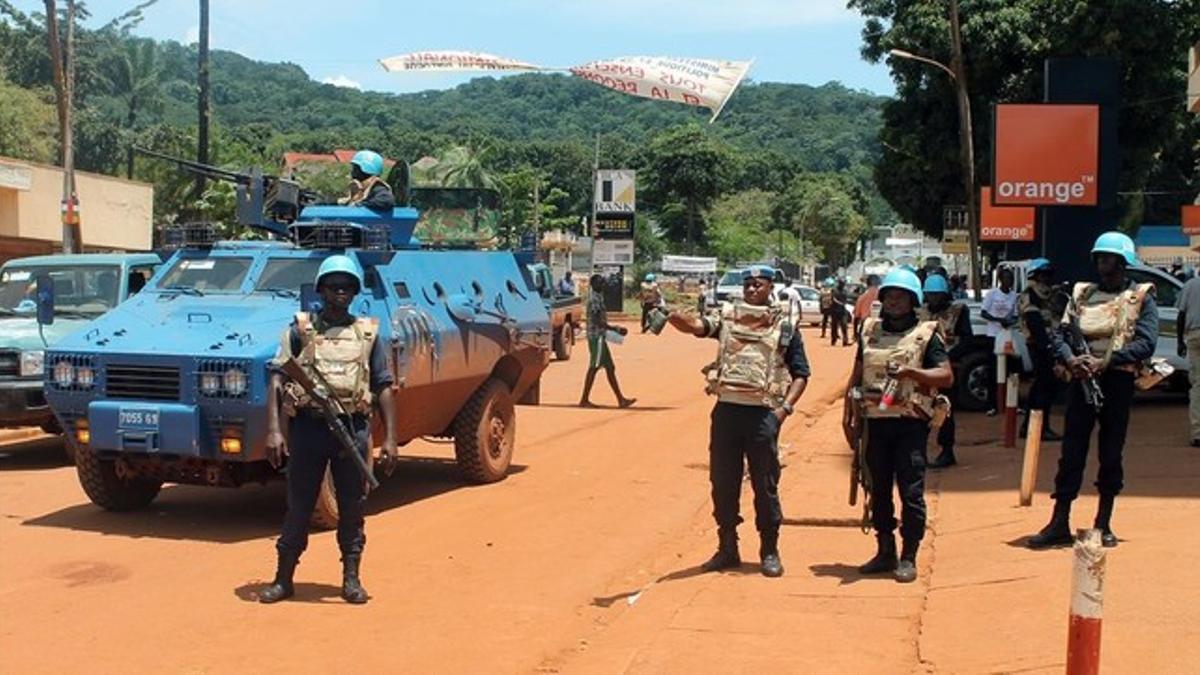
(332,412)
(1092,394)
(859,474)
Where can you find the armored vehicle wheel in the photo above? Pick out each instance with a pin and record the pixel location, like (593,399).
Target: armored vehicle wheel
(564,341)
(484,433)
(325,515)
(106,487)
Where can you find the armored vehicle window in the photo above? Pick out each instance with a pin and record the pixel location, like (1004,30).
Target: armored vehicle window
(207,274)
(288,273)
(90,290)
(401,290)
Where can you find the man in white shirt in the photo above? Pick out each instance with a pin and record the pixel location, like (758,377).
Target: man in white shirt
(1000,308)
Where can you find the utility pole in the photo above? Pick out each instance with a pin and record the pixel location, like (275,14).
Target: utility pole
(62,59)
(202,104)
(966,144)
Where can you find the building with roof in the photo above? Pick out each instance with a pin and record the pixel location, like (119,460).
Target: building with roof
(116,214)
(296,162)
(1161,244)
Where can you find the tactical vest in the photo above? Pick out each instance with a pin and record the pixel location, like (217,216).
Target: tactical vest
(826,299)
(341,355)
(1107,320)
(651,295)
(947,321)
(1030,302)
(750,367)
(364,190)
(907,349)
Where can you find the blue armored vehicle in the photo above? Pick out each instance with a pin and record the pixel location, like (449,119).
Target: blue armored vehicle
(86,285)
(171,386)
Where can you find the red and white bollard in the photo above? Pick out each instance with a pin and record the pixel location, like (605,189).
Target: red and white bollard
(1010,411)
(1087,604)
(1001,380)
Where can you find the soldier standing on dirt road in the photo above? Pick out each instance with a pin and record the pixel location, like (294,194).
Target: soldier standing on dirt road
(1041,311)
(760,373)
(900,366)
(343,349)
(1118,320)
(954,324)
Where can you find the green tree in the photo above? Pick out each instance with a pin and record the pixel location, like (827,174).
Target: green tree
(133,77)
(1005,45)
(824,210)
(686,165)
(739,227)
(467,166)
(28,125)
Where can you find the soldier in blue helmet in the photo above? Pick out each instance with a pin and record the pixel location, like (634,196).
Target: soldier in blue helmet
(1040,307)
(343,349)
(1118,322)
(368,187)
(891,397)
(954,326)
(759,375)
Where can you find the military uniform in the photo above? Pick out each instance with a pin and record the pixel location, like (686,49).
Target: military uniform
(1041,307)
(826,305)
(651,297)
(954,325)
(354,364)
(1120,327)
(897,435)
(758,356)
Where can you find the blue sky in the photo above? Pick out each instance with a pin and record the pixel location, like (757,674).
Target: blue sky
(804,41)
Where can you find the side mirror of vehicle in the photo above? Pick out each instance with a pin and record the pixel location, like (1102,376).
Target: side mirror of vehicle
(309,300)
(45,299)
(462,308)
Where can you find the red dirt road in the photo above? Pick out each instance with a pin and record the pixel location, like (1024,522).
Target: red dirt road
(584,559)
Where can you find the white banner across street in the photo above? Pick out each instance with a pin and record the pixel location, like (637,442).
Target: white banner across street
(689,264)
(703,83)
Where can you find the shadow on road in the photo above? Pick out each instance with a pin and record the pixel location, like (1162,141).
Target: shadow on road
(599,406)
(848,574)
(325,594)
(225,515)
(43,452)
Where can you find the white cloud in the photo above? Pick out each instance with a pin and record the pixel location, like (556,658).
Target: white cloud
(192,36)
(341,81)
(685,16)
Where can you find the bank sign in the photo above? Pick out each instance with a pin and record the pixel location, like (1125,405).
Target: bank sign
(1046,154)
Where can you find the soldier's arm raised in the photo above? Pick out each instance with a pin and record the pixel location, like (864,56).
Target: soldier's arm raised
(686,323)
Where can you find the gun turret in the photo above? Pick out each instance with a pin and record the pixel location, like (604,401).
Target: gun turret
(263,201)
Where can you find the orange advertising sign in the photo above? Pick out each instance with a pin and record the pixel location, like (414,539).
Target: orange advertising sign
(1191,219)
(1004,223)
(1046,154)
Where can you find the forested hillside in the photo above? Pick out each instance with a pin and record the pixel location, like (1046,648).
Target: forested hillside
(805,152)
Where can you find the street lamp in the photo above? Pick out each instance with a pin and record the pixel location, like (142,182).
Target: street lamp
(958,74)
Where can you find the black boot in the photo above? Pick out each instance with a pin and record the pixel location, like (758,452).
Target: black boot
(1104,521)
(944,460)
(281,588)
(727,555)
(885,556)
(352,589)
(1058,531)
(768,554)
(906,569)
(1050,435)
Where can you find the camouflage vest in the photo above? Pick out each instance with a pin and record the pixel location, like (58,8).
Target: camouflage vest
(1107,320)
(651,294)
(947,321)
(908,349)
(1029,302)
(750,368)
(341,355)
(364,190)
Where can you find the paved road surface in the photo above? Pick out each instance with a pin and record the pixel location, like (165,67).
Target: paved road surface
(584,560)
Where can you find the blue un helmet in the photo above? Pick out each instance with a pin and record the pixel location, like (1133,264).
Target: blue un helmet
(936,283)
(340,263)
(1038,265)
(650,277)
(369,161)
(759,272)
(905,280)
(1116,243)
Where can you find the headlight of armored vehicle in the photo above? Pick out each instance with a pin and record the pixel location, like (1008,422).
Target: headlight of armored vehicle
(85,376)
(235,382)
(210,383)
(33,363)
(64,374)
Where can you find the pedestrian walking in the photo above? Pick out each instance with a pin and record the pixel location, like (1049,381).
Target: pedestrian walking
(901,363)
(954,326)
(1114,325)
(1040,308)
(1187,330)
(760,373)
(599,355)
(344,352)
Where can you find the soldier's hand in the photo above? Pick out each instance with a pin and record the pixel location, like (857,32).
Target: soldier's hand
(1182,350)
(276,449)
(1080,367)
(391,456)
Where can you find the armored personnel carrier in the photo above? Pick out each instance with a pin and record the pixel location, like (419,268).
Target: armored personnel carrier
(171,386)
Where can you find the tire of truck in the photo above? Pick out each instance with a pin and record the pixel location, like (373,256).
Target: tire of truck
(973,383)
(484,433)
(108,490)
(564,339)
(52,427)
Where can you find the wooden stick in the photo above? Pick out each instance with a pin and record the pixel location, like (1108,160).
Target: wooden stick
(1033,449)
